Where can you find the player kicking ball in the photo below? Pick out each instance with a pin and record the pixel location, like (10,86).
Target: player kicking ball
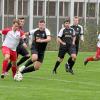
(12,38)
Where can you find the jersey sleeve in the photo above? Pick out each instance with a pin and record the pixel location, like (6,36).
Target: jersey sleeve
(60,33)
(99,37)
(74,34)
(5,31)
(22,33)
(47,32)
(81,33)
(32,31)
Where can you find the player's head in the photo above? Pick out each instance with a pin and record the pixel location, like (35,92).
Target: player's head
(76,20)
(15,24)
(67,23)
(41,25)
(21,21)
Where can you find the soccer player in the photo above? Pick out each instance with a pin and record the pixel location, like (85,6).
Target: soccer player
(79,35)
(66,38)
(13,36)
(41,36)
(22,47)
(96,57)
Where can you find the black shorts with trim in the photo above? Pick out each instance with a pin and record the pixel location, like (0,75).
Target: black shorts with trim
(38,52)
(63,49)
(22,50)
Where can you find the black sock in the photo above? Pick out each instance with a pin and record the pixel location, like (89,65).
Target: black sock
(23,59)
(71,62)
(29,62)
(9,66)
(28,69)
(56,65)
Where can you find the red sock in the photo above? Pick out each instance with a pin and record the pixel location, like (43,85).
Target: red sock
(14,69)
(4,66)
(90,59)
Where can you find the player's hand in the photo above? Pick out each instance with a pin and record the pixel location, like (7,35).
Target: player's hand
(25,45)
(82,38)
(39,40)
(63,43)
(0,32)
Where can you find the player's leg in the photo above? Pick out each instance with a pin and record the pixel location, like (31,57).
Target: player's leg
(9,66)
(71,61)
(35,67)
(29,62)
(6,54)
(37,63)
(24,53)
(61,54)
(14,60)
(93,58)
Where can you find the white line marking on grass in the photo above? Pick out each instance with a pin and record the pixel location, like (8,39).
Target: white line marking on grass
(49,88)
(66,81)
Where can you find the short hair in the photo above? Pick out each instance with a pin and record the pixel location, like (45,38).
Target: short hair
(21,18)
(15,21)
(76,17)
(67,20)
(41,21)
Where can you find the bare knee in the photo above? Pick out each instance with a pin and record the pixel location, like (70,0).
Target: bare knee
(7,57)
(34,57)
(73,57)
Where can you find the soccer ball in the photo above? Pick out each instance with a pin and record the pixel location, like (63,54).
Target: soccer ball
(18,76)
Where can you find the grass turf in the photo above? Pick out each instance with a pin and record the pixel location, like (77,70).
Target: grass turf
(43,85)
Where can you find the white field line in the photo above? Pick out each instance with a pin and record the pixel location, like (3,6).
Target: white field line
(66,81)
(49,88)
(55,89)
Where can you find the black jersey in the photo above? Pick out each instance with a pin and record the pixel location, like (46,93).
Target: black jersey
(78,31)
(67,35)
(42,35)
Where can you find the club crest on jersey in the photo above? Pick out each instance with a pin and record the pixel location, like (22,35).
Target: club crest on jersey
(70,31)
(43,35)
(77,29)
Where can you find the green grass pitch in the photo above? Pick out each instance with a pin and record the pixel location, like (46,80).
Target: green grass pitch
(43,85)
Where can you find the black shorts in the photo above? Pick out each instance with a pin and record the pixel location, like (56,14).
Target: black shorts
(63,49)
(39,53)
(22,51)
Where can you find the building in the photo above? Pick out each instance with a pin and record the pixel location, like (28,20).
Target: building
(53,11)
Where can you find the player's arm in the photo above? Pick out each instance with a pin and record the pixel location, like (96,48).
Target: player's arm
(60,41)
(24,40)
(41,40)
(44,40)
(74,37)
(99,37)
(59,35)
(82,34)
(27,33)
(4,31)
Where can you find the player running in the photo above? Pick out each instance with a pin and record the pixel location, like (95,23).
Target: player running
(21,48)
(13,36)
(66,38)
(41,36)
(79,35)
(96,57)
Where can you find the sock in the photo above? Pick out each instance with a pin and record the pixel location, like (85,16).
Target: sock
(4,66)
(28,69)
(14,69)
(71,62)
(90,59)
(9,66)
(29,62)
(56,65)
(23,59)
